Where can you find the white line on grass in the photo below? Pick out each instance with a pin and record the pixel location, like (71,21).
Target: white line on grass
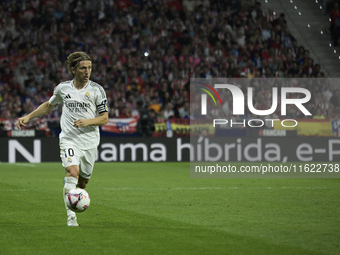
(201,188)
(219,188)
(14,189)
(24,164)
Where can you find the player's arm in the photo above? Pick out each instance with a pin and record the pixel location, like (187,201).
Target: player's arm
(102,119)
(41,110)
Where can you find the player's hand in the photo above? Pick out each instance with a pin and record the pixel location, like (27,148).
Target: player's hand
(80,123)
(22,121)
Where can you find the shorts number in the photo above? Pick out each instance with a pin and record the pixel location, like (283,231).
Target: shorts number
(70,152)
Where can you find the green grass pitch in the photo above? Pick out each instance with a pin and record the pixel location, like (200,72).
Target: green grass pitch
(156,208)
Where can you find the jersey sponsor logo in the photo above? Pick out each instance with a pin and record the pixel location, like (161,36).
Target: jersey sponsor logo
(75,106)
(67,96)
(87,95)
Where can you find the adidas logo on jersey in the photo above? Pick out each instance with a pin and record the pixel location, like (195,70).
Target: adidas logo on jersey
(68,96)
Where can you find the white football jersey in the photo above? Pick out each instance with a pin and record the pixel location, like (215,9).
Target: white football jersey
(86,103)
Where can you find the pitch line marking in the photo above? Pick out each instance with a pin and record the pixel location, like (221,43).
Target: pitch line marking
(220,188)
(202,188)
(24,164)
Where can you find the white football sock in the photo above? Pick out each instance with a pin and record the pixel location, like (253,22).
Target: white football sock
(70,183)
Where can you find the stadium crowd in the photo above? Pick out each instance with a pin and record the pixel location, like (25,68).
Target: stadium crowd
(145,52)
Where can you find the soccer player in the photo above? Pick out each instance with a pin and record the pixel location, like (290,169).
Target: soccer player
(84,109)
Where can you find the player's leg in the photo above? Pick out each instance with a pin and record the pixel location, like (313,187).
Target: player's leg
(82,182)
(70,160)
(86,163)
(70,182)
(77,175)
(71,179)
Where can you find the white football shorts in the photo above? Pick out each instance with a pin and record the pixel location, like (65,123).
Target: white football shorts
(72,155)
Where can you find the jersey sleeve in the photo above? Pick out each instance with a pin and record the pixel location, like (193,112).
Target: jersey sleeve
(56,97)
(101,102)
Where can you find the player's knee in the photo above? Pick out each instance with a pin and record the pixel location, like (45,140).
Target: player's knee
(72,171)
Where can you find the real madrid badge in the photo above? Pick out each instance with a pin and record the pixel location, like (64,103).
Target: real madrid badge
(87,95)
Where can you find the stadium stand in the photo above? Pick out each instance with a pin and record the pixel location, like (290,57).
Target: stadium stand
(145,52)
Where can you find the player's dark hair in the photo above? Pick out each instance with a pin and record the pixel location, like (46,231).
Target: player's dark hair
(74,59)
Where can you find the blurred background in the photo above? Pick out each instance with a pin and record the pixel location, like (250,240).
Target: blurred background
(145,52)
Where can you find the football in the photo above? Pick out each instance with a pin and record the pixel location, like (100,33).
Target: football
(78,200)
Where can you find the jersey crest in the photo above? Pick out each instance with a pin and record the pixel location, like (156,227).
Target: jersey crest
(87,95)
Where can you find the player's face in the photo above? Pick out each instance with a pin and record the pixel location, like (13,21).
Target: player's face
(82,72)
